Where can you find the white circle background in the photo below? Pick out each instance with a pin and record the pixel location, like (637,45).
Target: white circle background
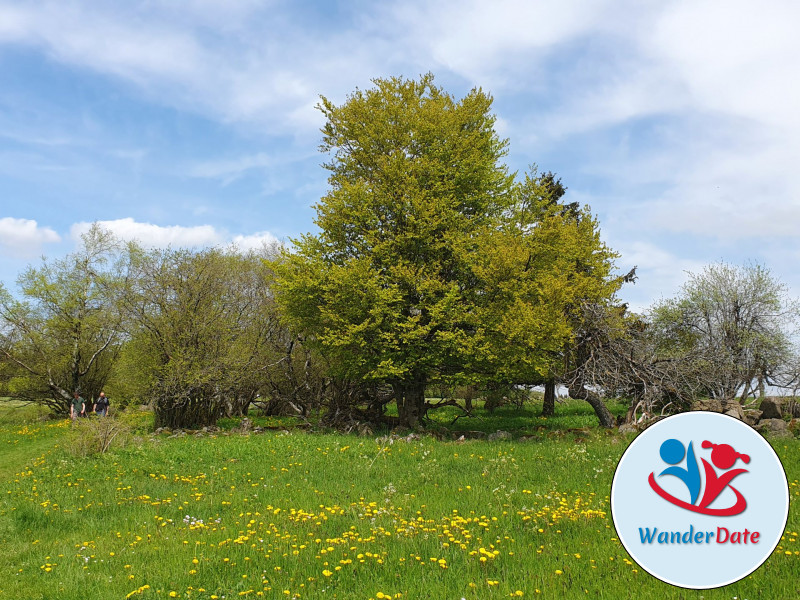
(635,505)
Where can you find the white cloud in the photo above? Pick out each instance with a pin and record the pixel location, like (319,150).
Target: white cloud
(24,238)
(155,235)
(658,271)
(158,236)
(255,241)
(231,169)
(249,63)
(736,59)
(486,41)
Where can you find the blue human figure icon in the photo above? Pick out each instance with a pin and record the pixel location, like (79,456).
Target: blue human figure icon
(672,453)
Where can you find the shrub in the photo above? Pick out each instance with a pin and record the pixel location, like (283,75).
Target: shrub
(96,435)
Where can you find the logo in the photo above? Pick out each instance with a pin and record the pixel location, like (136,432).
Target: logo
(723,456)
(699,500)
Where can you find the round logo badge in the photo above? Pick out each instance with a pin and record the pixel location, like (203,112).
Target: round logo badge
(699,500)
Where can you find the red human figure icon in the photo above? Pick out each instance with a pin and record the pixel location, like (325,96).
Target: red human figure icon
(724,457)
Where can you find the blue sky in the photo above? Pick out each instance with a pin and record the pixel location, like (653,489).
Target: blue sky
(193,122)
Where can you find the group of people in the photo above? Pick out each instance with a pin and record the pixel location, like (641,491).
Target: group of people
(80,408)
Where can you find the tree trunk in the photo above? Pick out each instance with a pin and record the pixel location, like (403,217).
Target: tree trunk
(549,405)
(745,392)
(188,414)
(469,394)
(593,398)
(410,396)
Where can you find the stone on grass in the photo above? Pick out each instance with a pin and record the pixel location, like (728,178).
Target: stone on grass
(709,404)
(733,409)
(752,416)
(776,428)
(771,408)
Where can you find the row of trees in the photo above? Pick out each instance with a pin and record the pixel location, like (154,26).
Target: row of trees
(433,266)
(193,332)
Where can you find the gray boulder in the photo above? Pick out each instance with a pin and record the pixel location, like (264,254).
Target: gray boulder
(752,416)
(733,409)
(708,404)
(776,428)
(771,408)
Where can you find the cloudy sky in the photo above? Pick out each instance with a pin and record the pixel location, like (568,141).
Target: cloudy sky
(193,122)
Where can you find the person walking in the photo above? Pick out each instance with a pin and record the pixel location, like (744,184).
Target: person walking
(101,405)
(77,407)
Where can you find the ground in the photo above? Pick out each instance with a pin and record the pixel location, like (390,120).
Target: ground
(293,514)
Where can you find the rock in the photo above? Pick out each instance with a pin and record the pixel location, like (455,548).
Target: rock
(709,404)
(774,428)
(771,408)
(791,408)
(752,416)
(628,428)
(733,409)
(472,435)
(500,435)
(528,438)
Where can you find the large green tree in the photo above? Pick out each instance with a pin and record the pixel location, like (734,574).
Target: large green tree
(387,286)
(431,263)
(540,266)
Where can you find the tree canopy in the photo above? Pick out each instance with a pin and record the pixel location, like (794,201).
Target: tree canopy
(432,263)
(737,319)
(63,334)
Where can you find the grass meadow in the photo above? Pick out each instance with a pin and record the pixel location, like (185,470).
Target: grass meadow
(292,514)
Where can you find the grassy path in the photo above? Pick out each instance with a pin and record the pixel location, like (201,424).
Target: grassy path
(23,437)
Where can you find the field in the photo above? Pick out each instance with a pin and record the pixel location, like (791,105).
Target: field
(290,514)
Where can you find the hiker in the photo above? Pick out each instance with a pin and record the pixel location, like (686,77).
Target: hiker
(101,405)
(77,407)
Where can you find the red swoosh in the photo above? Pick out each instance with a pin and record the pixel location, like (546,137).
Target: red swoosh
(737,508)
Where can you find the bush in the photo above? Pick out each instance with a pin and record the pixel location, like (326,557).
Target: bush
(96,435)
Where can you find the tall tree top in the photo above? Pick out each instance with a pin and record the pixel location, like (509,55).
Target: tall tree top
(402,150)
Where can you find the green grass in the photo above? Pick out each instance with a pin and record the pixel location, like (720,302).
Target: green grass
(523,421)
(280,512)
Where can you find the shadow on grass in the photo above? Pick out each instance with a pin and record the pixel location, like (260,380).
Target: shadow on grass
(571,416)
(523,421)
